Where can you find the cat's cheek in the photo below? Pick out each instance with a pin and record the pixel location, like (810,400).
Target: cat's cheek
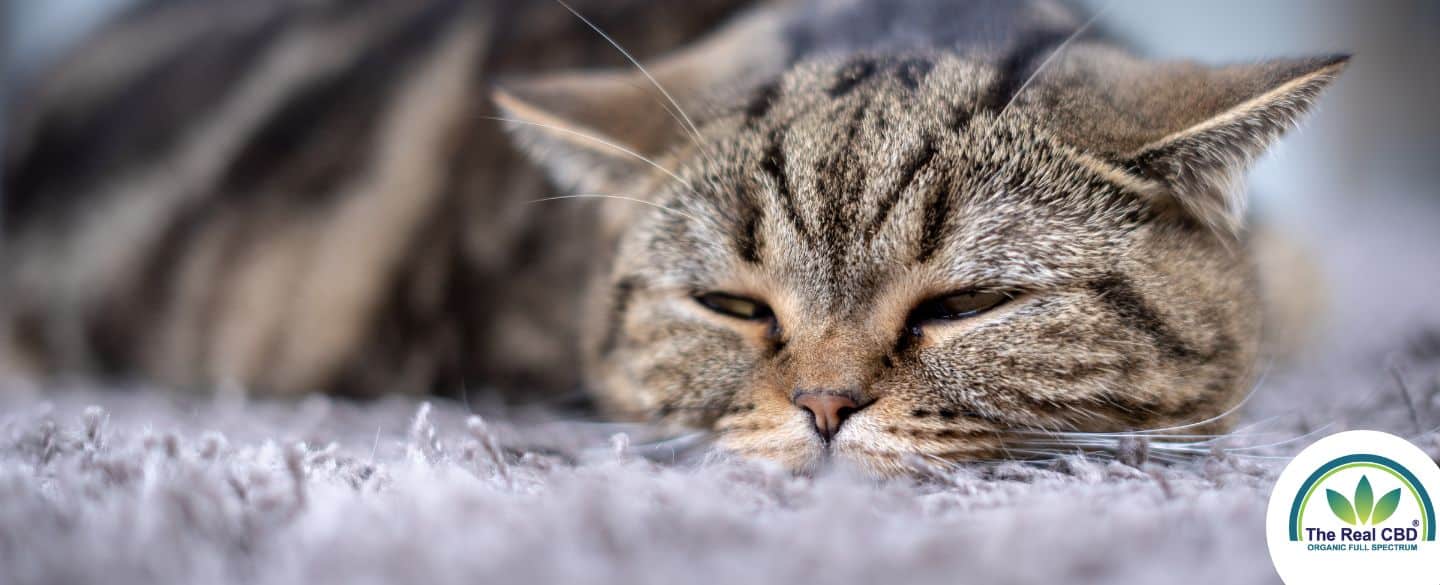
(618,393)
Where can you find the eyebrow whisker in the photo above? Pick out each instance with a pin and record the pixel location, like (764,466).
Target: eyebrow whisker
(689,126)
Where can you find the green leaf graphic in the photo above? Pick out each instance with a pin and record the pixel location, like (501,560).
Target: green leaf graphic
(1364,500)
(1341,507)
(1386,506)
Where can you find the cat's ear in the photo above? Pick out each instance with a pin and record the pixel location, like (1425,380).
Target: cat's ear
(1222,121)
(595,129)
(589,130)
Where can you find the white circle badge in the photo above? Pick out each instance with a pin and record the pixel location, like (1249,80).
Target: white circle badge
(1356,507)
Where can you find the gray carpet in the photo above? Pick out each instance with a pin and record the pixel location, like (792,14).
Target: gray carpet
(147,487)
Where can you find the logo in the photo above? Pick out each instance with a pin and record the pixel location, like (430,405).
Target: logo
(1356,506)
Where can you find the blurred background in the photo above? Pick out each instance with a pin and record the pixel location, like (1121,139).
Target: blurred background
(38,32)
(1358,185)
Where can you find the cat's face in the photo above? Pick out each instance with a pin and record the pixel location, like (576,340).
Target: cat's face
(940,275)
(876,260)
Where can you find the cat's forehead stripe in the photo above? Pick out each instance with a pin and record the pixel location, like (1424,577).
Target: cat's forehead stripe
(917,163)
(872,164)
(774,162)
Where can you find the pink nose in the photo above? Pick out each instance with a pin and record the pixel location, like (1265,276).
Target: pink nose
(829,410)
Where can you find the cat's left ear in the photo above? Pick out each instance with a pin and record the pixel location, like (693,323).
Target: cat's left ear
(1229,117)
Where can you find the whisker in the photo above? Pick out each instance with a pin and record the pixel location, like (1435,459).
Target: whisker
(1162,444)
(675,447)
(1049,453)
(1245,429)
(596,140)
(1190,452)
(1006,450)
(594,426)
(1053,54)
(685,121)
(1254,388)
(621,198)
(1317,431)
(674,115)
(1199,437)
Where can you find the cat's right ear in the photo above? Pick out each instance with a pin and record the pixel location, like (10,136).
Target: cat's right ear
(600,130)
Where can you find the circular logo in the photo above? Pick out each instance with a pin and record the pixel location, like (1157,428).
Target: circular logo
(1356,507)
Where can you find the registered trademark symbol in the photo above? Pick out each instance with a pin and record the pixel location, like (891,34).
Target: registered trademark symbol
(1414,522)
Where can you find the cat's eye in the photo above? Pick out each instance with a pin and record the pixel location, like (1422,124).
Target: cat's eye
(735,306)
(955,306)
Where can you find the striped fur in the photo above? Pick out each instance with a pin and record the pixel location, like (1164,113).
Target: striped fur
(337,212)
(296,196)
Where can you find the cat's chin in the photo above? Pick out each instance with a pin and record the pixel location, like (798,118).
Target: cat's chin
(794,451)
(811,455)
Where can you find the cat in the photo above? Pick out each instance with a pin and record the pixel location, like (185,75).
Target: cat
(849,232)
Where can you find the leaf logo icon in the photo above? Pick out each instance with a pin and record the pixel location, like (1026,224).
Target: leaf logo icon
(1341,506)
(1364,500)
(1386,506)
(1365,509)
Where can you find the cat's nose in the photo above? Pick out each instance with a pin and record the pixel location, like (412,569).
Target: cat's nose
(828,409)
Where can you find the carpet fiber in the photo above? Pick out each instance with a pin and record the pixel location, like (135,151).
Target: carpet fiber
(146,487)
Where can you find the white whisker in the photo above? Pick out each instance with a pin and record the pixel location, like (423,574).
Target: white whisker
(685,121)
(1317,431)
(1053,54)
(620,197)
(1246,429)
(1265,373)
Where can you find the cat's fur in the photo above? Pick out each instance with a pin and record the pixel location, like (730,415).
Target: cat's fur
(843,162)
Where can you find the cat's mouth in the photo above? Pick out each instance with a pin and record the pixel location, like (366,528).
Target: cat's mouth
(870,443)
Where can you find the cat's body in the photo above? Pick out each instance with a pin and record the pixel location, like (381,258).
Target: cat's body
(215,192)
(866,231)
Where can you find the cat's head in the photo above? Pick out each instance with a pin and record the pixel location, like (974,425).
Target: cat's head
(874,258)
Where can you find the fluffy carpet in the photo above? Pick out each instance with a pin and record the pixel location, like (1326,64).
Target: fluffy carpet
(147,487)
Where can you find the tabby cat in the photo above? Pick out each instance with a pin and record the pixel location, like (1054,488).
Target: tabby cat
(856,231)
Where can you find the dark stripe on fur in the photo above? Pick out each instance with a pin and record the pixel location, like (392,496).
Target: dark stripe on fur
(937,212)
(619,304)
(310,147)
(773,163)
(852,75)
(850,176)
(911,72)
(1017,65)
(761,102)
(70,154)
(1120,296)
(747,238)
(917,162)
(303,153)
(840,172)
(960,118)
(1087,410)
